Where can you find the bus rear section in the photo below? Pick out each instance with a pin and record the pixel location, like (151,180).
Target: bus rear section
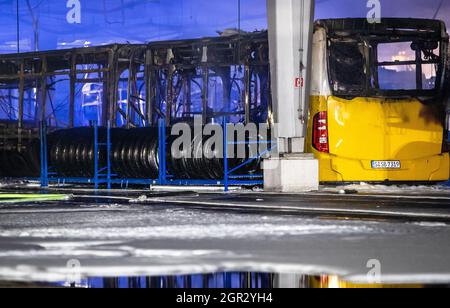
(378,101)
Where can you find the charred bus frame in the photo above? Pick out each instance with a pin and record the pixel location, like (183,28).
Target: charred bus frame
(159,77)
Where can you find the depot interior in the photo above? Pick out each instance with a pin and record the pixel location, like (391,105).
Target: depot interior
(194,135)
(90,93)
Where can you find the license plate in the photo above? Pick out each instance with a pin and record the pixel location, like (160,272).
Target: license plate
(386,164)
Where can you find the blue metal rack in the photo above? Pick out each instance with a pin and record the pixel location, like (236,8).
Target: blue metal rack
(43,153)
(229,177)
(104,175)
(100,177)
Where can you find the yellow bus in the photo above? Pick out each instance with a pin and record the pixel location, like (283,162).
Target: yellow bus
(378,100)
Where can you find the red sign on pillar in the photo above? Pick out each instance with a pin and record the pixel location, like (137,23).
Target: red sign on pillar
(299,82)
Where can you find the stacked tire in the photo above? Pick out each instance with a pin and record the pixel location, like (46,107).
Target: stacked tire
(26,163)
(206,159)
(135,154)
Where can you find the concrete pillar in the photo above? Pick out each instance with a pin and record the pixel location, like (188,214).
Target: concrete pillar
(290,39)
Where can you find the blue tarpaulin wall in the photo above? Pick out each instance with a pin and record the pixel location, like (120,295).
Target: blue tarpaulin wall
(74,23)
(55,24)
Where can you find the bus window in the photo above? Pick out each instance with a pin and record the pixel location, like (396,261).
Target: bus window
(396,77)
(429,79)
(407,66)
(347,67)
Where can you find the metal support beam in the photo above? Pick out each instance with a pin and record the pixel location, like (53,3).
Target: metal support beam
(205,94)
(149,87)
(112,88)
(290,40)
(96,156)
(21,95)
(290,48)
(21,105)
(162,177)
(169,96)
(130,93)
(187,100)
(43,154)
(73,78)
(247,94)
(225,156)
(108,155)
(43,105)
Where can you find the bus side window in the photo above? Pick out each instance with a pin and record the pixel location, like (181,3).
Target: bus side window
(347,67)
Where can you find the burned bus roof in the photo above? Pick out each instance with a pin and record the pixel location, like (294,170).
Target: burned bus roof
(429,28)
(62,52)
(257,36)
(222,50)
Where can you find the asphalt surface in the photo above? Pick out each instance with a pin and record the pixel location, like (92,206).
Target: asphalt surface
(157,233)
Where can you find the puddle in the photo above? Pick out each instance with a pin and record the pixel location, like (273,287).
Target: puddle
(231,280)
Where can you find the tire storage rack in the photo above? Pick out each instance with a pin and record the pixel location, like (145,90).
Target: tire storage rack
(104,175)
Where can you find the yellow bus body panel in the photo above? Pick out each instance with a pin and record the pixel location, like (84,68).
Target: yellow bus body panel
(363,130)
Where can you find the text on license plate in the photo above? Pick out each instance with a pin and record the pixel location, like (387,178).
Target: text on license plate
(386,164)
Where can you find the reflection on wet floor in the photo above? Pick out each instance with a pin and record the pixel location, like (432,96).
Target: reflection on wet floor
(218,280)
(236,280)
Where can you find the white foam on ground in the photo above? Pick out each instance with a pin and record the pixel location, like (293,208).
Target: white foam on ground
(389,189)
(193,188)
(191,232)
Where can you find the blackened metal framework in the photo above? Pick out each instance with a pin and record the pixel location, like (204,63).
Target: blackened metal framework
(160,80)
